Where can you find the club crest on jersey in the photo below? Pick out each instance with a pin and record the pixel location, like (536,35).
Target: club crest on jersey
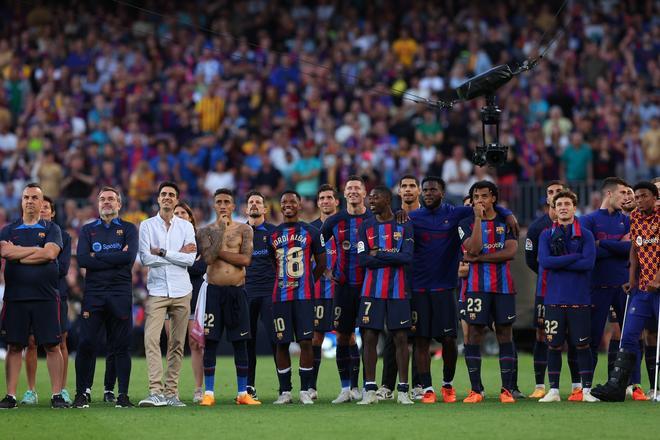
(473,316)
(397,235)
(346,245)
(499,230)
(365,320)
(549,338)
(120,232)
(529,246)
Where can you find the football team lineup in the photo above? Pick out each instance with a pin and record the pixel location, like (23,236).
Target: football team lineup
(394,275)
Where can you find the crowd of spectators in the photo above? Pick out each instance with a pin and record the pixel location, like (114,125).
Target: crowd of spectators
(258,94)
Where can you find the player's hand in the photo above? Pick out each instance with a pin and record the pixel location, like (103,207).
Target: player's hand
(125,249)
(470,258)
(402,216)
(629,286)
(373,252)
(478,212)
(512,224)
(189,248)
(653,286)
(154,251)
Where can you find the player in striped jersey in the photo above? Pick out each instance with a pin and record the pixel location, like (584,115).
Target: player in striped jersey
(343,229)
(490,292)
(295,247)
(324,288)
(385,249)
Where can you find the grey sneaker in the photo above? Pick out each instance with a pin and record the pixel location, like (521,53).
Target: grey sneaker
(198,396)
(343,397)
(284,398)
(418,393)
(313,394)
(369,398)
(306,398)
(174,401)
(404,398)
(30,398)
(384,393)
(356,394)
(153,400)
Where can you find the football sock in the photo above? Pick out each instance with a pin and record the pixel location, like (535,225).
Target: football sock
(507,362)
(473,363)
(573,365)
(241,364)
(514,372)
(370,386)
(344,366)
(449,359)
(554,367)
(317,365)
(402,387)
(284,377)
(612,350)
(209,365)
(649,358)
(584,360)
(425,380)
(540,361)
(305,378)
(354,353)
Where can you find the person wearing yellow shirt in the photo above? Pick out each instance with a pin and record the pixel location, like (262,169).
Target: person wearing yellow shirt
(405,48)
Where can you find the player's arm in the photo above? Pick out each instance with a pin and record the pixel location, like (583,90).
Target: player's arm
(619,248)
(365,257)
(552,262)
(506,254)
(64,259)
(632,271)
(327,227)
(126,255)
(51,249)
(146,257)
(243,257)
(472,237)
(210,241)
(11,251)
(587,222)
(405,255)
(185,257)
(85,258)
(587,258)
(320,256)
(532,248)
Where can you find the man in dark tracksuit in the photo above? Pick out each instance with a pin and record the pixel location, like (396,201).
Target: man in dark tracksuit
(106,249)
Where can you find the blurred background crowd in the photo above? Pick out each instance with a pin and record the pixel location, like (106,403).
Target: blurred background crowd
(268,95)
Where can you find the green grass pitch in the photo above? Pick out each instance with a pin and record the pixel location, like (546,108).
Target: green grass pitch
(490,420)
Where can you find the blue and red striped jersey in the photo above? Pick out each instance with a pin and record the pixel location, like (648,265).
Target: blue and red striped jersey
(324,287)
(293,246)
(385,249)
(343,229)
(489,277)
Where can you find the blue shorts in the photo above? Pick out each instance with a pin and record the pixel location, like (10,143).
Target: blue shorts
(434,314)
(40,318)
(539,312)
(293,319)
(261,309)
(483,308)
(562,320)
(226,309)
(323,315)
(376,313)
(642,314)
(346,304)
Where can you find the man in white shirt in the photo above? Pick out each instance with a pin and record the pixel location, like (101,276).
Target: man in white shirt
(456,172)
(167,248)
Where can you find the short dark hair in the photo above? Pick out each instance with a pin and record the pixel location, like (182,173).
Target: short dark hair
(383,190)
(32,185)
(171,185)
(565,193)
(437,179)
(326,187)
(290,191)
(223,191)
(254,193)
(611,183)
(409,176)
(555,182)
(51,203)
(114,190)
(645,184)
(466,198)
(485,184)
(355,177)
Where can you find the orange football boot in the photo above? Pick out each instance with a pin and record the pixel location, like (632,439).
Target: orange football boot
(246,399)
(473,397)
(449,394)
(506,397)
(429,397)
(638,393)
(576,395)
(207,400)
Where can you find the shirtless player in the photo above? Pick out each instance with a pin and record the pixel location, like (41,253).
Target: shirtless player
(227,249)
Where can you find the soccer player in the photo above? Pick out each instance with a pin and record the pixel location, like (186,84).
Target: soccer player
(168,248)
(295,247)
(30,247)
(259,282)
(226,247)
(610,228)
(348,274)
(196,272)
(643,285)
(540,350)
(409,192)
(568,253)
(107,249)
(384,250)
(324,290)
(63,261)
(490,291)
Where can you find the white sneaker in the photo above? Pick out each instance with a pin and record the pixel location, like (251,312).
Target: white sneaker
(343,397)
(552,396)
(198,396)
(418,393)
(313,394)
(404,398)
(384,393)
(587,397)
(306,398)
(629,391)
(651,396)
(369,398)
(284,398)
(356,394)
